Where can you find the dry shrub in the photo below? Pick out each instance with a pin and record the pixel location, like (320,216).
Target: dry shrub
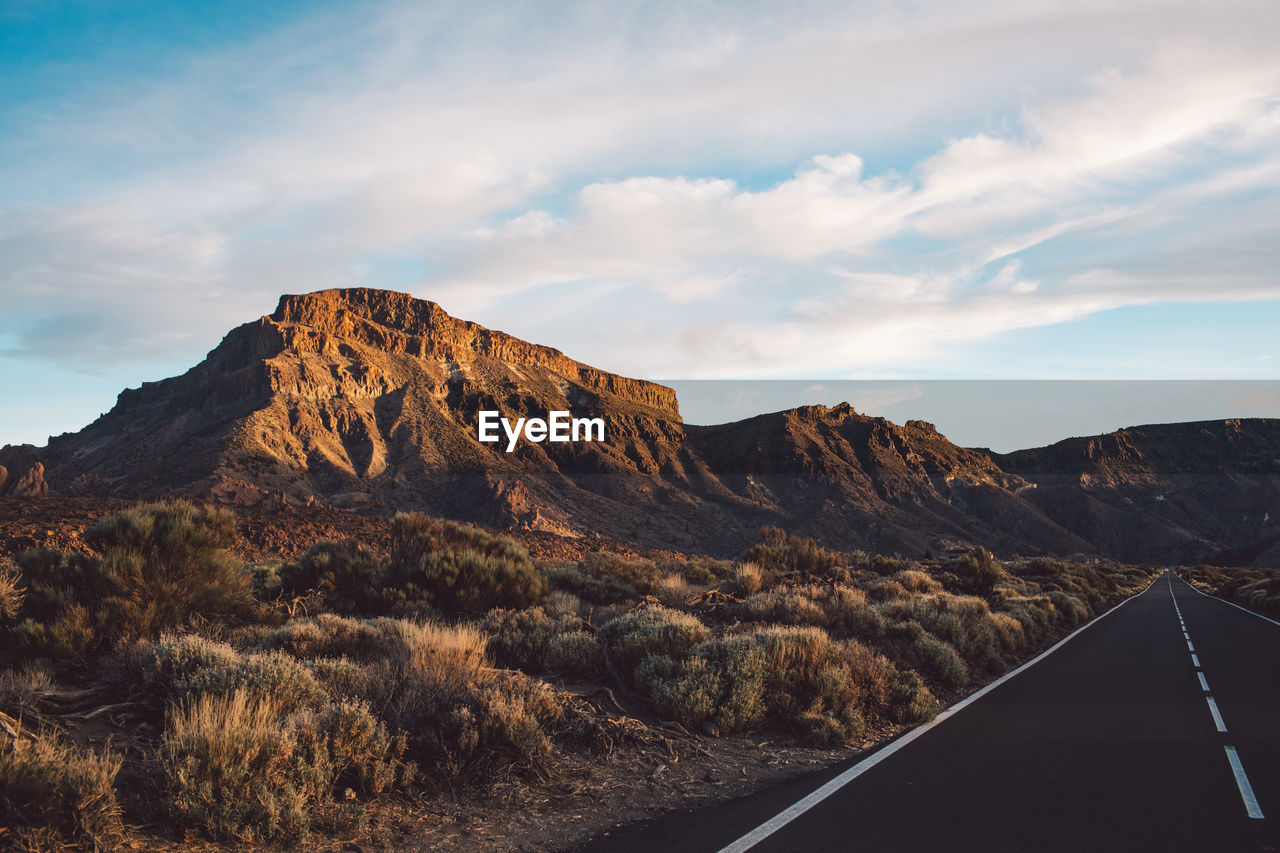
(917,581)
(1013,638)
(723,681)
(520,638)
(499,723)
(573,653)
(780,554)
(910,701)
(11,591)
(22,689)
(274,676)
(748,578)
(887,590)
(783,605)
(54,796)
(162,565)
(652,630)
(457,568)
(237,770)
(672,589)
(346,575)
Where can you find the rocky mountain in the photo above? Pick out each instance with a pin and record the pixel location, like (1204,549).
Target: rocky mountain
(369,400)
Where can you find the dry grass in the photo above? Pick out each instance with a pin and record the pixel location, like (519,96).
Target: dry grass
(54,796)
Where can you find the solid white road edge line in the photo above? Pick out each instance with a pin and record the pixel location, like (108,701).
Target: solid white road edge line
(784,817)
(1217,715)
(1233,604)
(1242,782)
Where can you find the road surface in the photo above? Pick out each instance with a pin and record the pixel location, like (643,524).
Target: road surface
(1157,727)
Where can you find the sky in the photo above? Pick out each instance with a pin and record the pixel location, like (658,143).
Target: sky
(681,191)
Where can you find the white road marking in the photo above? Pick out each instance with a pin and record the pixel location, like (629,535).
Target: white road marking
(1242,782)
(1186,636)
(1190,647)
(1195,661)
(1236,606)
(1204,685)
(793,811)
(1217,715)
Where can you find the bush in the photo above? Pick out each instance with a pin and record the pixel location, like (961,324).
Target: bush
(652,630)
(234,773)
(723,681)
(910,702)
(458,568)
(162,565)
(346,574)
(978,568)
(519,638)
(54,797)
(917,581)
(780,554)
(11,592)
(273,676)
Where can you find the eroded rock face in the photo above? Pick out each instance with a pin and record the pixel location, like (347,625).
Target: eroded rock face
(369,400)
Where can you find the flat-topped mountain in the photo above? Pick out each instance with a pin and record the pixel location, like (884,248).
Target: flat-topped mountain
(370,399)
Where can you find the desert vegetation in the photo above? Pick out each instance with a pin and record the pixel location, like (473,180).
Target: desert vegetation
(270,702)
(1256,589)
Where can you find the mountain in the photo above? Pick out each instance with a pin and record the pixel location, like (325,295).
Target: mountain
(369,400)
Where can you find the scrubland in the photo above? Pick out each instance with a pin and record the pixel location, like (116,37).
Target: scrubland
(1256,589)
(274,702)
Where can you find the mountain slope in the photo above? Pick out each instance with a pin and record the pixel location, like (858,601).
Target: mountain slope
(369,399)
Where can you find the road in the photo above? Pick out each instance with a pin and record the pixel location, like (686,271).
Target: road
(1157,727)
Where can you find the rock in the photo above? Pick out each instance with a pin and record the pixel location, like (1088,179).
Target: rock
(710,729)
(31,484)
(4,476)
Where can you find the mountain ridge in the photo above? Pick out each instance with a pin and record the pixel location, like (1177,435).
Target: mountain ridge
(368,399)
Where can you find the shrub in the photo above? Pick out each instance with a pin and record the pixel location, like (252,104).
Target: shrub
(939,661)
(978,568)
(723,681)
(346,574)
(520,638)
(234,773)
(578,581)
(162,564)
(917,581)
(652,630)
(778,553)
(458,568)
(748,578)
(54,796)
(11,592)
(882,565)
(273,676)
(362,755)
(497,723)
(910,702)
(573,652)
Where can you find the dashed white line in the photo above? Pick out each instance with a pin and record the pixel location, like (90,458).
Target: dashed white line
(1190,647)
(1217,715)
(1204,685)
(1195,661)
(1242,782)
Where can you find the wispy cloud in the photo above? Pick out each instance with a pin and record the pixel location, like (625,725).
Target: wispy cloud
(726,191)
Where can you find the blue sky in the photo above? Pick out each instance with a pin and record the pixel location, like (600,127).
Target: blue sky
(1064,190)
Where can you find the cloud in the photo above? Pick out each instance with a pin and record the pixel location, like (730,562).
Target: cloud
(724,190)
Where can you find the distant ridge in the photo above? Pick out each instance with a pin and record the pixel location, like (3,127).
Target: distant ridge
(368,399)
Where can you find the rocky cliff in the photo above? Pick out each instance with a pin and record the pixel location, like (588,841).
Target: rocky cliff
(369,399)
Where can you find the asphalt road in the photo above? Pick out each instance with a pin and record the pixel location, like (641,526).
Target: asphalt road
(1108,743)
